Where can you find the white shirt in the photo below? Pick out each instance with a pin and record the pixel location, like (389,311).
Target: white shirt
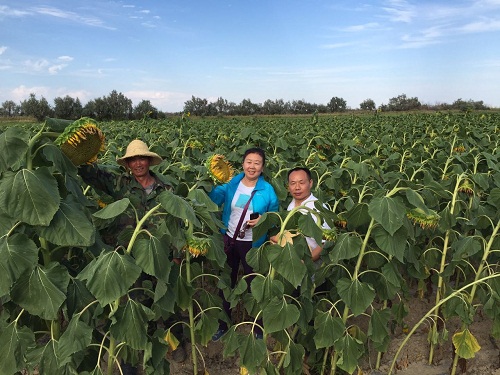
(240,199)
(308,202)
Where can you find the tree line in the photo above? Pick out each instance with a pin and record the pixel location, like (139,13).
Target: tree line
(117,106)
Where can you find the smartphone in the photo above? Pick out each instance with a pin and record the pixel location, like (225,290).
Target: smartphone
(253,215)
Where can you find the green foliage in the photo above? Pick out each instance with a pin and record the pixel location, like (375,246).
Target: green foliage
(367,105)
(404,194)
(403,103)
(337,104)
(38,108)
(67,108)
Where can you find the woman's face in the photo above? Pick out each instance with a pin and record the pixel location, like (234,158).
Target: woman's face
(253,166)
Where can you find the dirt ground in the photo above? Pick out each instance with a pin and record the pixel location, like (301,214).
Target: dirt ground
(413,359)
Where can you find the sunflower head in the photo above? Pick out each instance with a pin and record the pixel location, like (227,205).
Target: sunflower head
(219,169)
(195,145)
(81,141)
(340,222)
(467,188)
(329,234)
(426,220)
(197,246)
(459,149)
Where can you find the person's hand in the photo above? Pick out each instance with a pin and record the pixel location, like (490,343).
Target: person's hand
(253,222)
(273,239)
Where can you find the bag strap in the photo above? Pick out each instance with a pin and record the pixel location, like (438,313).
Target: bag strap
(242,217)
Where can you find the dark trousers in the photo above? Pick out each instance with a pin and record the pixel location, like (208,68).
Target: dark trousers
(236,254)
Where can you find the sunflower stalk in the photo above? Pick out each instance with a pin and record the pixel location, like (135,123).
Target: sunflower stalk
(355,275)
(440,287)
(479,272)
(430,314)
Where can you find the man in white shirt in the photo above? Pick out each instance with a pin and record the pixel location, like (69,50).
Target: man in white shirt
(300,184)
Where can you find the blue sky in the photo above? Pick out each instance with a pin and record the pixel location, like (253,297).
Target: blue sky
(312,50)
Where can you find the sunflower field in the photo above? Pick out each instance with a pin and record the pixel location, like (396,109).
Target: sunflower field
(413,201)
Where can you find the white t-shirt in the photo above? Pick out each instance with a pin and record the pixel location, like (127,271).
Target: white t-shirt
(240,199)
(309,202)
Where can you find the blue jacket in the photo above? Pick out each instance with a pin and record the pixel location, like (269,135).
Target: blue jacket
(264,200)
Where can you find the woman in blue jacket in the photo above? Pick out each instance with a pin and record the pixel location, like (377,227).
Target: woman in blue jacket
(248,186)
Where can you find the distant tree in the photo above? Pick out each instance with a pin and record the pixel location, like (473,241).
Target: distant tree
(222,106)
(368,105)
(232,108)
(113,107)
(196,106)
(89,110)
(246,107)
(9,108)
(67,108)
(276,107)
(98,109)
(40,109)
(469,105)
(337,104)
(119,106)
(145,110)
(302,107)
(211,110)
(403,103)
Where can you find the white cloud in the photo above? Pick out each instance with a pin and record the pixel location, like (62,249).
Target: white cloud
(71,16)
(22,92)
(83,95)
(148,24)
(163,100)
(9,12)
(65,58)
(2,49)
(481,26)
(366,26)
(400,11)
(410,41)
(37,65)
(335,45)
(493,3)
(54,69)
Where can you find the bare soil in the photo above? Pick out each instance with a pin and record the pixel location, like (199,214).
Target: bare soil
(413,358)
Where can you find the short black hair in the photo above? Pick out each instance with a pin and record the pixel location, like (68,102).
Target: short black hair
(305,169)
(255,150)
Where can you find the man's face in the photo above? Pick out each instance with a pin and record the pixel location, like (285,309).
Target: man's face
(139,165)
(299,185)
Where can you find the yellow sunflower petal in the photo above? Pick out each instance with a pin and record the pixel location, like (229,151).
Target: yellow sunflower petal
(81,141)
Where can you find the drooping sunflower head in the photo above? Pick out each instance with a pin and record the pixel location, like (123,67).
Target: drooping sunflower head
(466,187)
(329,234)
(81,141)
(426,220)
(197,245)
(219,169)
(195,145)
(340,222)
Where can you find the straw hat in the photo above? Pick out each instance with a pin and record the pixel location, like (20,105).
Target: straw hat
(139,148)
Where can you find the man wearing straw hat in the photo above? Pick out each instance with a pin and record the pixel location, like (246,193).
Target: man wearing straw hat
(142,187)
